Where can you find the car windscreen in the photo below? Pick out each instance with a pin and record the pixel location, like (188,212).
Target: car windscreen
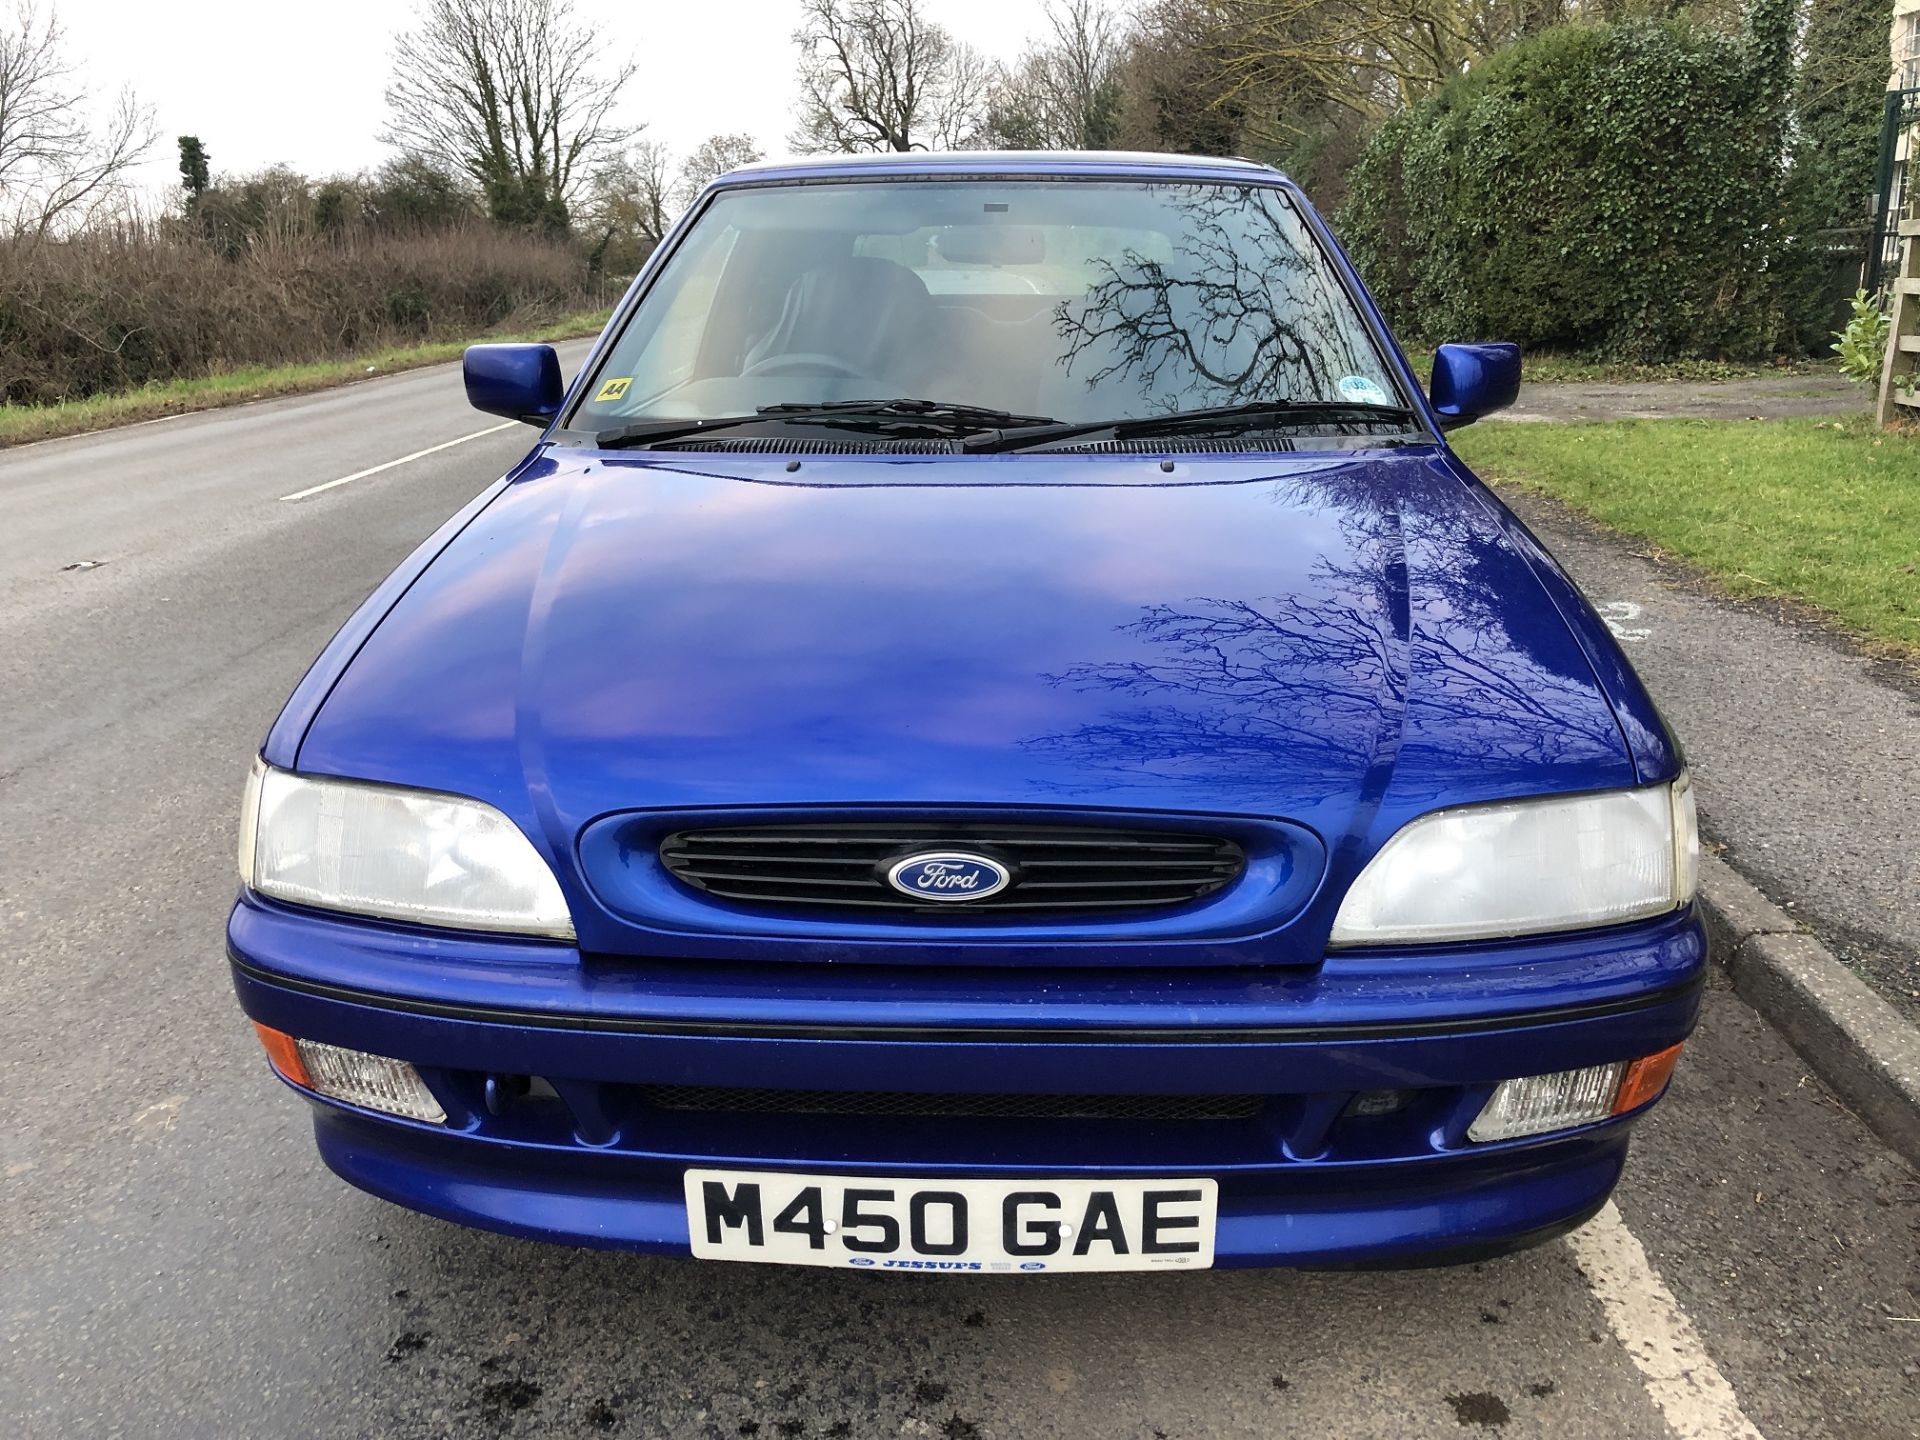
(1072,300)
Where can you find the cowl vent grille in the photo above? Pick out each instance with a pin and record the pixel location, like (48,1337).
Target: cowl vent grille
(779,445)
(1262,445)
(1060,869)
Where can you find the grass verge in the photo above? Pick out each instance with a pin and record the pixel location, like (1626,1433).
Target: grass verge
(20,424)
(1825,513)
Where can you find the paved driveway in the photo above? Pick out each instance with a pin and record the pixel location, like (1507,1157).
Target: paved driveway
(1762,397)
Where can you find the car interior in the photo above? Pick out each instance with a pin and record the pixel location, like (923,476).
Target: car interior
(805,315)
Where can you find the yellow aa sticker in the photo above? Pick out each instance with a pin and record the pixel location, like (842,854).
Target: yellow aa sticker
(614,389)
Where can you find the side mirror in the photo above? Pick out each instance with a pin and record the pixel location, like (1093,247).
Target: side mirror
(521,382)
(1473,380)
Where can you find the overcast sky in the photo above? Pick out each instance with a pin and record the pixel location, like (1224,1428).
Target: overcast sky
(261,83)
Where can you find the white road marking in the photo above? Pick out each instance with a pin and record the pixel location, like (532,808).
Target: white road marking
(1692,1394)
(403,460)
(1619,615)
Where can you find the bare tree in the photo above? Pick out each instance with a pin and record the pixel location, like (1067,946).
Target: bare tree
(1370,57)
(634,196)
(1172,94)
(57,169)
(712,158)
(877,75)
(1064,93)
(632,191)
(516,94)
(627,207)
(652,188)
(958,105)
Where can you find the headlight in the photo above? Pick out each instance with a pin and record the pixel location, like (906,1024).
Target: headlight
(396,854)
(1527,866)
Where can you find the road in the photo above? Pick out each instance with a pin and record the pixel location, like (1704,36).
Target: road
(175,1262)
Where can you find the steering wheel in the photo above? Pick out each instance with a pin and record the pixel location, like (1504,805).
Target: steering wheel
(803,362)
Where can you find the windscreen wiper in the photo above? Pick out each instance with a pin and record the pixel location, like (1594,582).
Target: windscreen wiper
(1218,419)
(925,416)
(917,409)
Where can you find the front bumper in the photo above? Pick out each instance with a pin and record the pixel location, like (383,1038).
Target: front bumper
(1304,1179)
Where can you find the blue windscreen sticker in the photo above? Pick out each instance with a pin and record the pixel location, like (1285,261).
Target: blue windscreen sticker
(1362,391)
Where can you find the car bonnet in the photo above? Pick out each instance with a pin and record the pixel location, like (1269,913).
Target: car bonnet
(1343,640)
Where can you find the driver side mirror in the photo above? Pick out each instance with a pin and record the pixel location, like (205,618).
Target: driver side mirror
(521,382)
(1473,380)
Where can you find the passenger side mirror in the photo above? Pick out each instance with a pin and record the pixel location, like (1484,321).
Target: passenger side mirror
(521,382)
(1473,380)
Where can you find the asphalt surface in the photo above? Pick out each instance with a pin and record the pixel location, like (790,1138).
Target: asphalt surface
(174,1261)
(1759,397)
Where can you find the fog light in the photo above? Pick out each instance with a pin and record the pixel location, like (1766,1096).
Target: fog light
(373,1082)
(1535,1104)
(1538,1103)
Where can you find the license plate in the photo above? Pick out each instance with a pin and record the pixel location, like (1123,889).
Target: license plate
(1012,1227)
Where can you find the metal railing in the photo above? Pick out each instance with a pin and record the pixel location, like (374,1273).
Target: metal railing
(1893,184)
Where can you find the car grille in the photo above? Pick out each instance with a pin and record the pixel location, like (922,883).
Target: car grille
(712,1099)
(1054,868)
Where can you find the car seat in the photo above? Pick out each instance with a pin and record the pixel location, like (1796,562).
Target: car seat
(869,312)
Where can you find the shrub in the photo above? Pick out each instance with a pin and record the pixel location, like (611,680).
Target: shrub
(1600,189)
(1862,346)
(120,306)
(412,193)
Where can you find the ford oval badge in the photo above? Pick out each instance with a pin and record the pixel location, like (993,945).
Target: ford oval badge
(948,875)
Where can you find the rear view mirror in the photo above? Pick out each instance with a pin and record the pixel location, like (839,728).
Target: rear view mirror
(521,382)
(991,245)
(1473,380)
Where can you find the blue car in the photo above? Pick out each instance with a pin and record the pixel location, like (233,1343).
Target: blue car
(990,733)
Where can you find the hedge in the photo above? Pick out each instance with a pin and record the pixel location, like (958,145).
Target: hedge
(120,306)
(1598,189)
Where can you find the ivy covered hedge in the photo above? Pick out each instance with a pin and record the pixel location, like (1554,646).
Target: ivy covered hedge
(1603,189)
